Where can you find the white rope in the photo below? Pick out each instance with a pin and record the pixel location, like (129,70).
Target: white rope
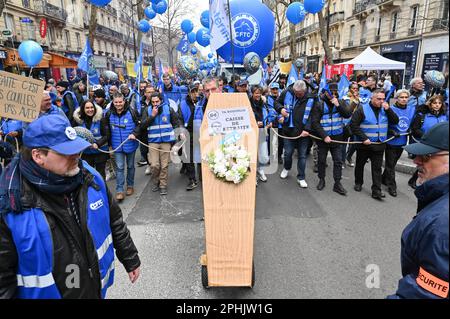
(175,148)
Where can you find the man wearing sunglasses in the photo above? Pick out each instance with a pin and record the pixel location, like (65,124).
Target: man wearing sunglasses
(59,224)
(425,252)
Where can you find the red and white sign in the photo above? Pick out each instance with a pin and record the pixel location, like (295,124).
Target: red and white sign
(43,28)
(332,70)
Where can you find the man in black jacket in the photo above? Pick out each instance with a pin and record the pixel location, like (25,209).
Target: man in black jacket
(295,105)
(370,126)
(72,222)
(327,122)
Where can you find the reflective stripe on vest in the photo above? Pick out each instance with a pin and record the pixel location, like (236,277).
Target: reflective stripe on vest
(34,245)
(431,120)
(375,128)
(309,106)
(121,128)
(406,117)
(161,130)
(334,125)
(289,101)
(95,129)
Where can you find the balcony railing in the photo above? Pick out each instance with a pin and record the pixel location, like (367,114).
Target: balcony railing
(377,38)
(350,43)
(336,17)
(108,32)
(440,24)
(111,10)
(411,31)
(392,35)
(50,11)
(363,5)
(312,27)
(362,41)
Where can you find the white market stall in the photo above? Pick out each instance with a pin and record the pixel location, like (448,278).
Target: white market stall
(370,60)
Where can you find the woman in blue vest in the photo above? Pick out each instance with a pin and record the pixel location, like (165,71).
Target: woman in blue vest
(90,116)
(59,225)
(121,120)
(394,148)
(427,115)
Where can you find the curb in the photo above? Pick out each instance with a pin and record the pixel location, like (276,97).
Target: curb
(405,167)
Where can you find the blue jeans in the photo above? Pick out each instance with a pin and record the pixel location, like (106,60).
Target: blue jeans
(120,161)
(301,145)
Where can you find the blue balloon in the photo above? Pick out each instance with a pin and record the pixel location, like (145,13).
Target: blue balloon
(31,53)
(210,55)
(149,12)
(295,13)
(187,26)
(314,6)
(192,37)
(160,7)
(155,1)
(203,37)
(194,51)
(254,29)
(144,26)
(100,3)
(204,19)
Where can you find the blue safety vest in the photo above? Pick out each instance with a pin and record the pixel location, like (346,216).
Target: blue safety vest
(186,112)
(229,89)
(417,101)
(406,117)
(64,107)
(174,95)
(198,118)
(290,101)
(333,123)
(161,130)
(121,128)
(33,240)
(10,125)
(365,95)
(375,128)
(96,131)
(431,120)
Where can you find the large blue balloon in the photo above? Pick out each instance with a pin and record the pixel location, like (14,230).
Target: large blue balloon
(210,55)
(254,29)
(194,51)
(149,12)
(192,37)
(314,6)
(160,7)
(295,13)
(203,37)
(144,26)
(187,26)
(100,3)
(204,19)
(31,53)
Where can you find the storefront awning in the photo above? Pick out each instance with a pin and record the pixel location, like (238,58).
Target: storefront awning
(13,59)
(60,61)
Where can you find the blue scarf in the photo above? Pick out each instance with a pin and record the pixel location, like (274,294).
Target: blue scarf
(44,180)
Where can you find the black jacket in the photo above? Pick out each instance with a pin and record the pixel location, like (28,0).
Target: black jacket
(70,104)
(318,112)
(72,243)
(416,125)
(358,117)
(190,124)
(148,120)
(299,111)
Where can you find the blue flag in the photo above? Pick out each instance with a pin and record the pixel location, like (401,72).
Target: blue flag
(390,92)
(138,66)
(265,76)
(343,85)
(86,63)
(323,80)
(293,76)
(183,46)
(161,72)
(150,75)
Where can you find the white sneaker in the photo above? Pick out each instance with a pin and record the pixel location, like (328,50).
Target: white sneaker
(148,170)
(262,176)
(284,173)
(302,183)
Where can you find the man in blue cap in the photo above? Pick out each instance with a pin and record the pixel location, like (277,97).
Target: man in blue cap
(425,252)
(59,224)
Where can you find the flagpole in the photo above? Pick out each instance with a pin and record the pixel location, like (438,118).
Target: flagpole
(231,34)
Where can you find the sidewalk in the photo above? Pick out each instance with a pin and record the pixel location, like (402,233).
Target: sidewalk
(405,165)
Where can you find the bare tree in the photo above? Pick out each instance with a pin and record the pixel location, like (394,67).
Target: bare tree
(2,6)
(279,21)
(92,24)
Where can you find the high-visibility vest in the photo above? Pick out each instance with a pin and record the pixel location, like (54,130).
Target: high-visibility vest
(161,130)
(375,128)
(406,117)
(333,123)
(96,131)
(121,128)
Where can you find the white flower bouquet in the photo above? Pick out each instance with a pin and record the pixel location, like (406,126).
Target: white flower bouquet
(230,163)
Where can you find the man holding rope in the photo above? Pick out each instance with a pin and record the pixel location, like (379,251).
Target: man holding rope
(370,126)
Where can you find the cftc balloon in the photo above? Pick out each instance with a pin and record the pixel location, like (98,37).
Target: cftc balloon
(149,12)
(252,62)
(194,51)
(187,26)
(435,78)
(99,3)
(204,19)
(187,66)
(160,7)
(203,37)
(31,53)
(254,28)
(295,13)
(144,26)
(110,76)
(314,6)
(192,37)
(299,63)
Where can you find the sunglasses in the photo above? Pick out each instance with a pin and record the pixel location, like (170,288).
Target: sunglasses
(427,157)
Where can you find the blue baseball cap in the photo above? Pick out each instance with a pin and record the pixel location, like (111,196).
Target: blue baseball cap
(275,85)
(433,141)
(54,132)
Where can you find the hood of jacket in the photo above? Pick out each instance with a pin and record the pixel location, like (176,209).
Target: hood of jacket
(97,117)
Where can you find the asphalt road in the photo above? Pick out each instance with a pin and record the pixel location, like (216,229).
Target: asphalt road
(308,244)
